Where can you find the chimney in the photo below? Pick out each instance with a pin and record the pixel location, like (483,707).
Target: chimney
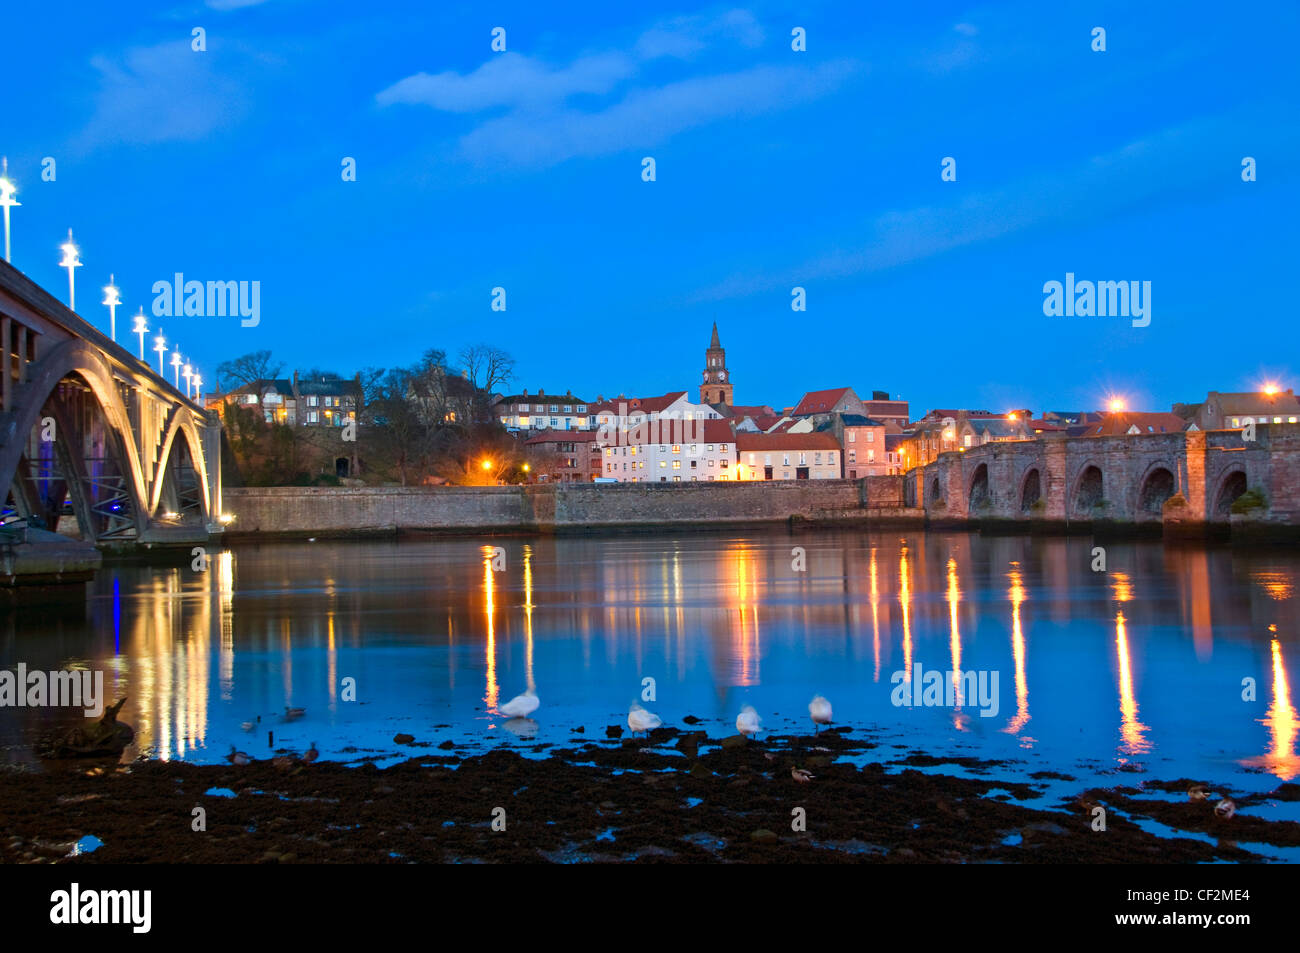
(295,380)
(525,391)
(540,392)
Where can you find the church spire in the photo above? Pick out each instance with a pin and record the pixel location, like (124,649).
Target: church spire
(713,342)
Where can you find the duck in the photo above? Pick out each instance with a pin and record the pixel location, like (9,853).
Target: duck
(747,722)
(801,775)
(1225,809)
(311,754)
(291,713)
(521,706)
(1197,792)
(640,720)
(820,710)
(240,758)
(248,725)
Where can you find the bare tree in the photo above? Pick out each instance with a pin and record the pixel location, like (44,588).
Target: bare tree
(247,370)
(487,367)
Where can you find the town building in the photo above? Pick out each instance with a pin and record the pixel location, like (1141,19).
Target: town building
(1116,423)
(887,411)
(862,445)
(700,451)
(560,456)
(529,413)
(820,404)
(1229,411)
(788,456)
(716,387)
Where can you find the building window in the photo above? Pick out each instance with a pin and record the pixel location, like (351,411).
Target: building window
(677,464)
(871,436)
(853,436)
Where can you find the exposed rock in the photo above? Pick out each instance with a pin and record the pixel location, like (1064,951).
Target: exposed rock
(104,738)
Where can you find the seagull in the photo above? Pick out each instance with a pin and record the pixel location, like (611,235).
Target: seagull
(748,722)
(800,775)
(248,725)
(521,706)
(820,710)
(291,713)
(237,757)
(1225,809)
(638,719)
(311,754)
(1197,792)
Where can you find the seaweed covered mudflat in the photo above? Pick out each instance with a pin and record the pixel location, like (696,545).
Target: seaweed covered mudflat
(674,797)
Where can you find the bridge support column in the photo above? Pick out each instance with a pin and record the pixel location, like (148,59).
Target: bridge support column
(1055,487)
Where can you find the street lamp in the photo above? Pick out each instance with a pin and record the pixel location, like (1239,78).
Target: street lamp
(70,261)
(7,191)
(1271,389)
(112,299)
(160,345)
(188,374)
(176,369)
(198,387)
(1116,405)
(141,329)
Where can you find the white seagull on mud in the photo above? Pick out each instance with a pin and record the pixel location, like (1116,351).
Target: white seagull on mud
(820,710)
(747,722)
(640,720)
(521,706)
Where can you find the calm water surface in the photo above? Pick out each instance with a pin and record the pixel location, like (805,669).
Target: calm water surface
(1139,668)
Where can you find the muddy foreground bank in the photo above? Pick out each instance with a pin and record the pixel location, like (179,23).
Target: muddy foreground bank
(678,798)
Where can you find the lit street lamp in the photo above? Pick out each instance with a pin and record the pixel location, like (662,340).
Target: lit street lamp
(188,374)
(1116,405)
(141,329)
(176,369)
(198,387)
(70,261)
(160,345)
(112,299)
(7,191)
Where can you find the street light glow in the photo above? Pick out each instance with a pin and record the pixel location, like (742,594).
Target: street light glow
(487,464)
(141,328)
(1116,405)
(1271,389)
(112,299)
(160,345)
(7,191)
(71,260)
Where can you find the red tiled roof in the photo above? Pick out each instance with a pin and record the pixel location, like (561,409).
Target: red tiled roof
(1114,424)
(786,441)
(819,401)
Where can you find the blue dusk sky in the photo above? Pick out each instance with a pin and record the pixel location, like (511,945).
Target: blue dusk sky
(775,169)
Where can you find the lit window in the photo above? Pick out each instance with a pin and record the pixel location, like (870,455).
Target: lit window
(676,449)
(853,436)
(677,464)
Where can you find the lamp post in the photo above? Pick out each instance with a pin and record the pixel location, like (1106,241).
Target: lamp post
(198,388)
(141,329)
(188,374)
(160,345)
(176,369)
(112,299)
(7,191)
(70,261)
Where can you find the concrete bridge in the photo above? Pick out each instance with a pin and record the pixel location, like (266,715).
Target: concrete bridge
(84,422)
(1172,482)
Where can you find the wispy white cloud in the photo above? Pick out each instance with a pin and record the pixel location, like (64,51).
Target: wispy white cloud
(1092,189)
(232,4)
(161,93)
(542,125)
(648,117)
(513,80)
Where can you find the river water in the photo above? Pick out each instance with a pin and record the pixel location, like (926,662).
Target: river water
(1141,670)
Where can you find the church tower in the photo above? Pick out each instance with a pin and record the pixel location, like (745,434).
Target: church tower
(716,388)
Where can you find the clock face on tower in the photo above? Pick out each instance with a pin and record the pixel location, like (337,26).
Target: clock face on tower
(722,375)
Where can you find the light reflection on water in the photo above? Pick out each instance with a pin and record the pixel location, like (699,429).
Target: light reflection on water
(1144,663)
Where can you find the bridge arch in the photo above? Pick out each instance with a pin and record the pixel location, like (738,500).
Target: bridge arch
(77,364)
(1157,485)
(1231,485)
(978,494)
(1088,491)
(1031,489)
(182,446)
(934,491)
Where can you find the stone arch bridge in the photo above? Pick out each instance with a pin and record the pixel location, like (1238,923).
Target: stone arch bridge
(88,430)
(1159,482)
